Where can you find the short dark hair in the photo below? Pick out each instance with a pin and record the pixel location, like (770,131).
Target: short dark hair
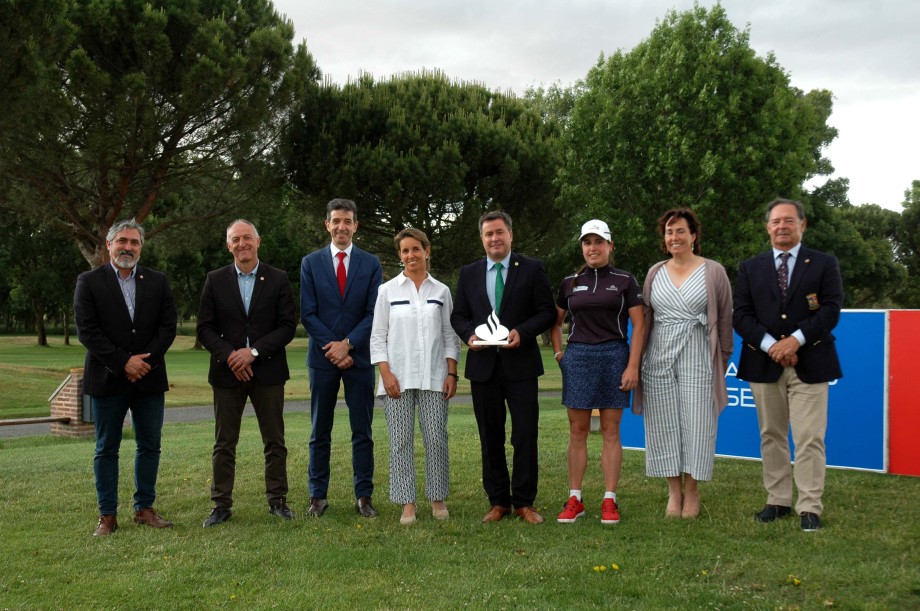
(341,204)
(799,208)
(693,224)
(415,234)
(120,226)
(495,215)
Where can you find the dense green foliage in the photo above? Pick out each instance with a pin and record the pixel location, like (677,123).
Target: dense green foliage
(187,115)
(420,150)
(690,117)
(167,112)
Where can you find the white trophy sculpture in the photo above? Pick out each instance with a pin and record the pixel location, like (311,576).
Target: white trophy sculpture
(491,333)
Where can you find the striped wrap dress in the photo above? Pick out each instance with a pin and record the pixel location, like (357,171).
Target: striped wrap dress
(680,426)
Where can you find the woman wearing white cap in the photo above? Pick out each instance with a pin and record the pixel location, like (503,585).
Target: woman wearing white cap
(688,315)
(598,367)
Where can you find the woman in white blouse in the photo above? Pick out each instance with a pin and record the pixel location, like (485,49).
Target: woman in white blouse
(416,351)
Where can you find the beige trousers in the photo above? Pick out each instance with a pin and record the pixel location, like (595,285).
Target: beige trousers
(791,402)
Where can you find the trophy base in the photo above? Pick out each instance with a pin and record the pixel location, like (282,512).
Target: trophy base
(490,342)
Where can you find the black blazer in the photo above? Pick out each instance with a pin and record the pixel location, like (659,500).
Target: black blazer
(223,324)
(527,305)
(105,327)
(813,302)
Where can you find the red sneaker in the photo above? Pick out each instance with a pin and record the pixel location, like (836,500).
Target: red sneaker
(610,513)
(573,510)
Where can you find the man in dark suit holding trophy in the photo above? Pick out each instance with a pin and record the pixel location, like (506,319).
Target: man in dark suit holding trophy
(503,366)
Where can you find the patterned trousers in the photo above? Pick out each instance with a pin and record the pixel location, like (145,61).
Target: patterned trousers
(432,418)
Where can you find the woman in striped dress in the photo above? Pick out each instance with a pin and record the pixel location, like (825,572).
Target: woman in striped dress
(688,321)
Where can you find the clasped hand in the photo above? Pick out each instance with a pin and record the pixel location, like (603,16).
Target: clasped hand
(784,351)
(136,367)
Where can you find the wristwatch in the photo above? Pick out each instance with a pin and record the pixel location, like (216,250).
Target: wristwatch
(254,352)
(351,346)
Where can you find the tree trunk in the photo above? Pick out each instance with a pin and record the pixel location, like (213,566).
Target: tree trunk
(66,327)
(39,310)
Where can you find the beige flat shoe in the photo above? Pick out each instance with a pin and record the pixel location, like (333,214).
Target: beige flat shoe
(440,514)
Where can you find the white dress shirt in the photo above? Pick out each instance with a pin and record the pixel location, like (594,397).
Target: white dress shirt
(412,333)
(768,340)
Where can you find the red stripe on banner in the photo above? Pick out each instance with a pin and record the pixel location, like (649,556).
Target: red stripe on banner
(903,395)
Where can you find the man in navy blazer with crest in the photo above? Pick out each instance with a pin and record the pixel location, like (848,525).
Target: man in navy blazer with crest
(508,373)
(786,304)
(337,298)
(126,318)
(245,320)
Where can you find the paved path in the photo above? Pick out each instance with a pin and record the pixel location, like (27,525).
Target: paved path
(206,412)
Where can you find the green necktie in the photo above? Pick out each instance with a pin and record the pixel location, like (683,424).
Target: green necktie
(499,287)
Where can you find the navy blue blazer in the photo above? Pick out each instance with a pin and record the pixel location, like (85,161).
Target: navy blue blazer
(527,305)
(223,324)
(105,327)
(813,301)
(329,317)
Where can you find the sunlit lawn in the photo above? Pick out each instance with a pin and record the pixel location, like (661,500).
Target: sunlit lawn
(865,558)
(29,373)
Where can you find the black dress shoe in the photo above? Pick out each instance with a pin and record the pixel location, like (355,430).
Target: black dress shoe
(810,522)
(218,515)
(365,508)
(772,512)
(317,507)
(282,511)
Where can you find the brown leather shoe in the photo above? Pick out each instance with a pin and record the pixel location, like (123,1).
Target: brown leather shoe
(150,517)
(529,515)
(496,513)
(365,507)
(317,507)
(107,525)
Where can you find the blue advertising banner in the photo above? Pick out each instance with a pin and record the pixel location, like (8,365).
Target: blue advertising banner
(856,408)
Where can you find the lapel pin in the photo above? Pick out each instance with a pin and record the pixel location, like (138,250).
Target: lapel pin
(141,276)
(516,263)
(261,277)
(807,260)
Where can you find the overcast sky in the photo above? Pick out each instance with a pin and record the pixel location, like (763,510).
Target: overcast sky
(866,52)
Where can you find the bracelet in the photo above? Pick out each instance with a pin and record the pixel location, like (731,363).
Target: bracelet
(453,375)
(557,354)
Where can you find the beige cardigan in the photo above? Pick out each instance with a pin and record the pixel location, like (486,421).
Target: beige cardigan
(719,327)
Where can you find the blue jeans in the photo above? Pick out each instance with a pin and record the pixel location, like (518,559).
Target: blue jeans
(109,417)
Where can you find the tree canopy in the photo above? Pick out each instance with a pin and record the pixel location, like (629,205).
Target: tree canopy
(421,150)
(166,111)
(690,117)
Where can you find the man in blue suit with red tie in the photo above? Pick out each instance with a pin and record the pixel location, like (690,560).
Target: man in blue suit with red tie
(786,304)
(338,291)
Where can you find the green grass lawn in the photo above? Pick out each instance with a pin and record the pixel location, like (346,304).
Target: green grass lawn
(30,373)
(866,557)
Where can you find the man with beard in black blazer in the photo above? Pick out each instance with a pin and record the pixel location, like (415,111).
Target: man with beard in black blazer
(518,290)
(786,303)
(126,318)
(245,321)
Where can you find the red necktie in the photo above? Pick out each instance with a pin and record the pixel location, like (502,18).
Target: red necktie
(340,273)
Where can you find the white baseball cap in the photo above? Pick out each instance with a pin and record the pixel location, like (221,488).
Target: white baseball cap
(596,227)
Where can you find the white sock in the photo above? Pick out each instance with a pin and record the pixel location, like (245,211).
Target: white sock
(611,495)
(575,493)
